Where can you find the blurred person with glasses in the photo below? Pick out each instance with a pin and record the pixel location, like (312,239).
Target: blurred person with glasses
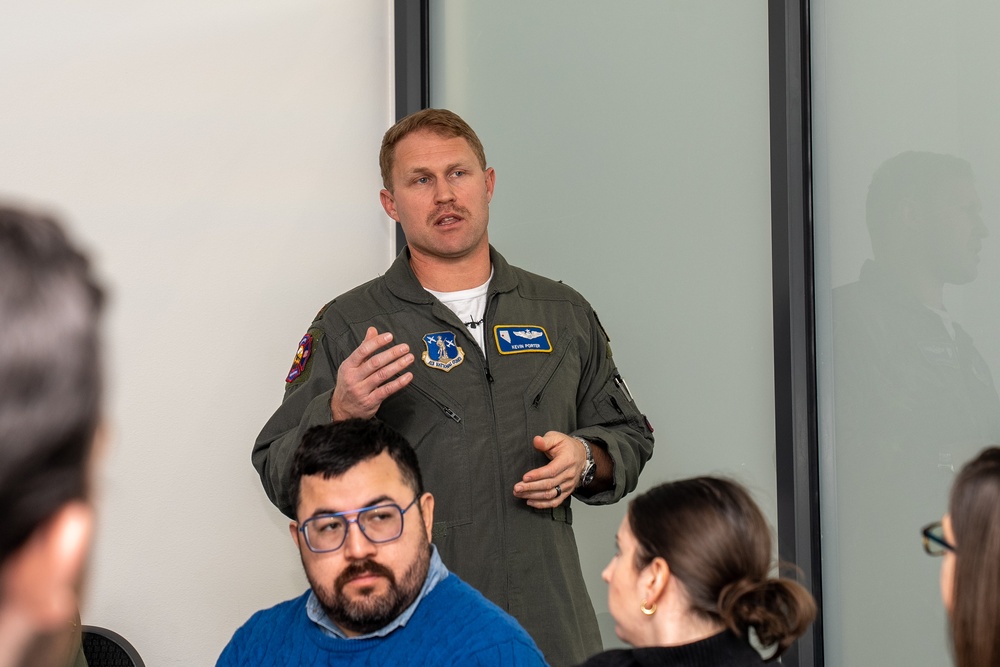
(379,592)
(968,539)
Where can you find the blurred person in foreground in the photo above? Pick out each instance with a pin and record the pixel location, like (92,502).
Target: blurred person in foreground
(968,538)
(50,411)
(691,579)
(379,592)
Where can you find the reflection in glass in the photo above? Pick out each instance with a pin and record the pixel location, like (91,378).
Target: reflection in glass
(914,398)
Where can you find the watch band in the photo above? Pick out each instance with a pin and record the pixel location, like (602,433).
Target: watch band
(590,468)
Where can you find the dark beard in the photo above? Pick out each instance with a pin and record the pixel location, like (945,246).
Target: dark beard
(369,613)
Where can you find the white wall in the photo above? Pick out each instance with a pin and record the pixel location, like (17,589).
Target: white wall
(220,161)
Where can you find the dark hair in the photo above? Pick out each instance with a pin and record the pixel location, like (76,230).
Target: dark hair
(975,521)
(50,378)
(718,544)
(911,176)
(332,449)
(445,123)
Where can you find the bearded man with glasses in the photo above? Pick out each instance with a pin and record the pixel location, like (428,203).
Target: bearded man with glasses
(379,593)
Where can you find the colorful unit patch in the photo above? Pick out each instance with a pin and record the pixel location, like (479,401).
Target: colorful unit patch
(301,358)
(443,352)
(518,338)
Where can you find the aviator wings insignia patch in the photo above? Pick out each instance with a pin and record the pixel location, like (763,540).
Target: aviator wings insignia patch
(520,338)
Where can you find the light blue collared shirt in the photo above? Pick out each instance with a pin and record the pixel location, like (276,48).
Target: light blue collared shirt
(435,573)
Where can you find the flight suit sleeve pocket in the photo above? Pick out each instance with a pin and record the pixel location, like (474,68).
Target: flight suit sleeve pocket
(614,408)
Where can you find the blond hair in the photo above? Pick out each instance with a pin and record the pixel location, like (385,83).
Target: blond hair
(442,122)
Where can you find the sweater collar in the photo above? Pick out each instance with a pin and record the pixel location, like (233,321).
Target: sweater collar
(722,650)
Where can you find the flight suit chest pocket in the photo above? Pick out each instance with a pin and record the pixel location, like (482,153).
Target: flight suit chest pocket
(550,397)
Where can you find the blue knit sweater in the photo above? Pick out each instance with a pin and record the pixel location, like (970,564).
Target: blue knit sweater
(453,625)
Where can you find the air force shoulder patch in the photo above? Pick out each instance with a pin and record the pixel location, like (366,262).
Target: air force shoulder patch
(443,352)
(518,338)
(301,361)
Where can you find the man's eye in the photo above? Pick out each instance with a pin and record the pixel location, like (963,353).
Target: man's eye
(458,173)
(329,526)
(422,180)
(377,516)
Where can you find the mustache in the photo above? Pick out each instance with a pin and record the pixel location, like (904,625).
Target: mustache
(364,567)
(460,211)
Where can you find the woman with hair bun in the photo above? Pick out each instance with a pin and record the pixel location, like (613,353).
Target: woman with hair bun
(691,578)
(969,539)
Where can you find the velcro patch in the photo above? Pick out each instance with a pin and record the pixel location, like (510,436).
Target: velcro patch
(520,338)
(443,351)
(302,355)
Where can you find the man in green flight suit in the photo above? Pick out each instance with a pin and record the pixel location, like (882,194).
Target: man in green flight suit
(502,380)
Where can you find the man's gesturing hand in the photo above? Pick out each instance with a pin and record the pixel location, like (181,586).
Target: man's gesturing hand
(368,377)
(553,483)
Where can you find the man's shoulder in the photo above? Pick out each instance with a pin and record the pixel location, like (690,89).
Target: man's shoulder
(281,613)
(471,621)
(265,632)
(359,304)
(453,589)
(533,285)
(873,306)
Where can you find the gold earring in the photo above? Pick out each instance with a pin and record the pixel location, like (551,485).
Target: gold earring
(648,611)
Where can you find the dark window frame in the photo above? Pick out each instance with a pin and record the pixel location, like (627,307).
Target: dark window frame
(792,275)
(795,393)
(412,62)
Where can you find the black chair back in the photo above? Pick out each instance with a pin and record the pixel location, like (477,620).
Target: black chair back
(105,648)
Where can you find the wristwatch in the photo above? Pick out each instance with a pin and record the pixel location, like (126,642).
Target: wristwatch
(589,468)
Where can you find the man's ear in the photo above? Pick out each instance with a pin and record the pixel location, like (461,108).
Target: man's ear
(491,181)
(389,204)
(427,512)
(42,580)
(293,529)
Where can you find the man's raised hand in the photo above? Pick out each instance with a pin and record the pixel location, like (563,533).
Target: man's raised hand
(369,376)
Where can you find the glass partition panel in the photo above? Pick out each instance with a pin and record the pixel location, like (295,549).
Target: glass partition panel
(906,166)
(632,155)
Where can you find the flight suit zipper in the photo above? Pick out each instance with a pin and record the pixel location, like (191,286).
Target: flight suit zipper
(502,533)
(454,416)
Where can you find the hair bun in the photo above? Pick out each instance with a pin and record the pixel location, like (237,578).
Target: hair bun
(737,602)
(779,610)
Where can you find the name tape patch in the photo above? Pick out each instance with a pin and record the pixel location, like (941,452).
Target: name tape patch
(520,338)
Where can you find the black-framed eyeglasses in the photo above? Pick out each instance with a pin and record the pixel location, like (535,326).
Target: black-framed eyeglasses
(934,542)
(378,523)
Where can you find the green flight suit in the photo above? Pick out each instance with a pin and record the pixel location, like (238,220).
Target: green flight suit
(472,429)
